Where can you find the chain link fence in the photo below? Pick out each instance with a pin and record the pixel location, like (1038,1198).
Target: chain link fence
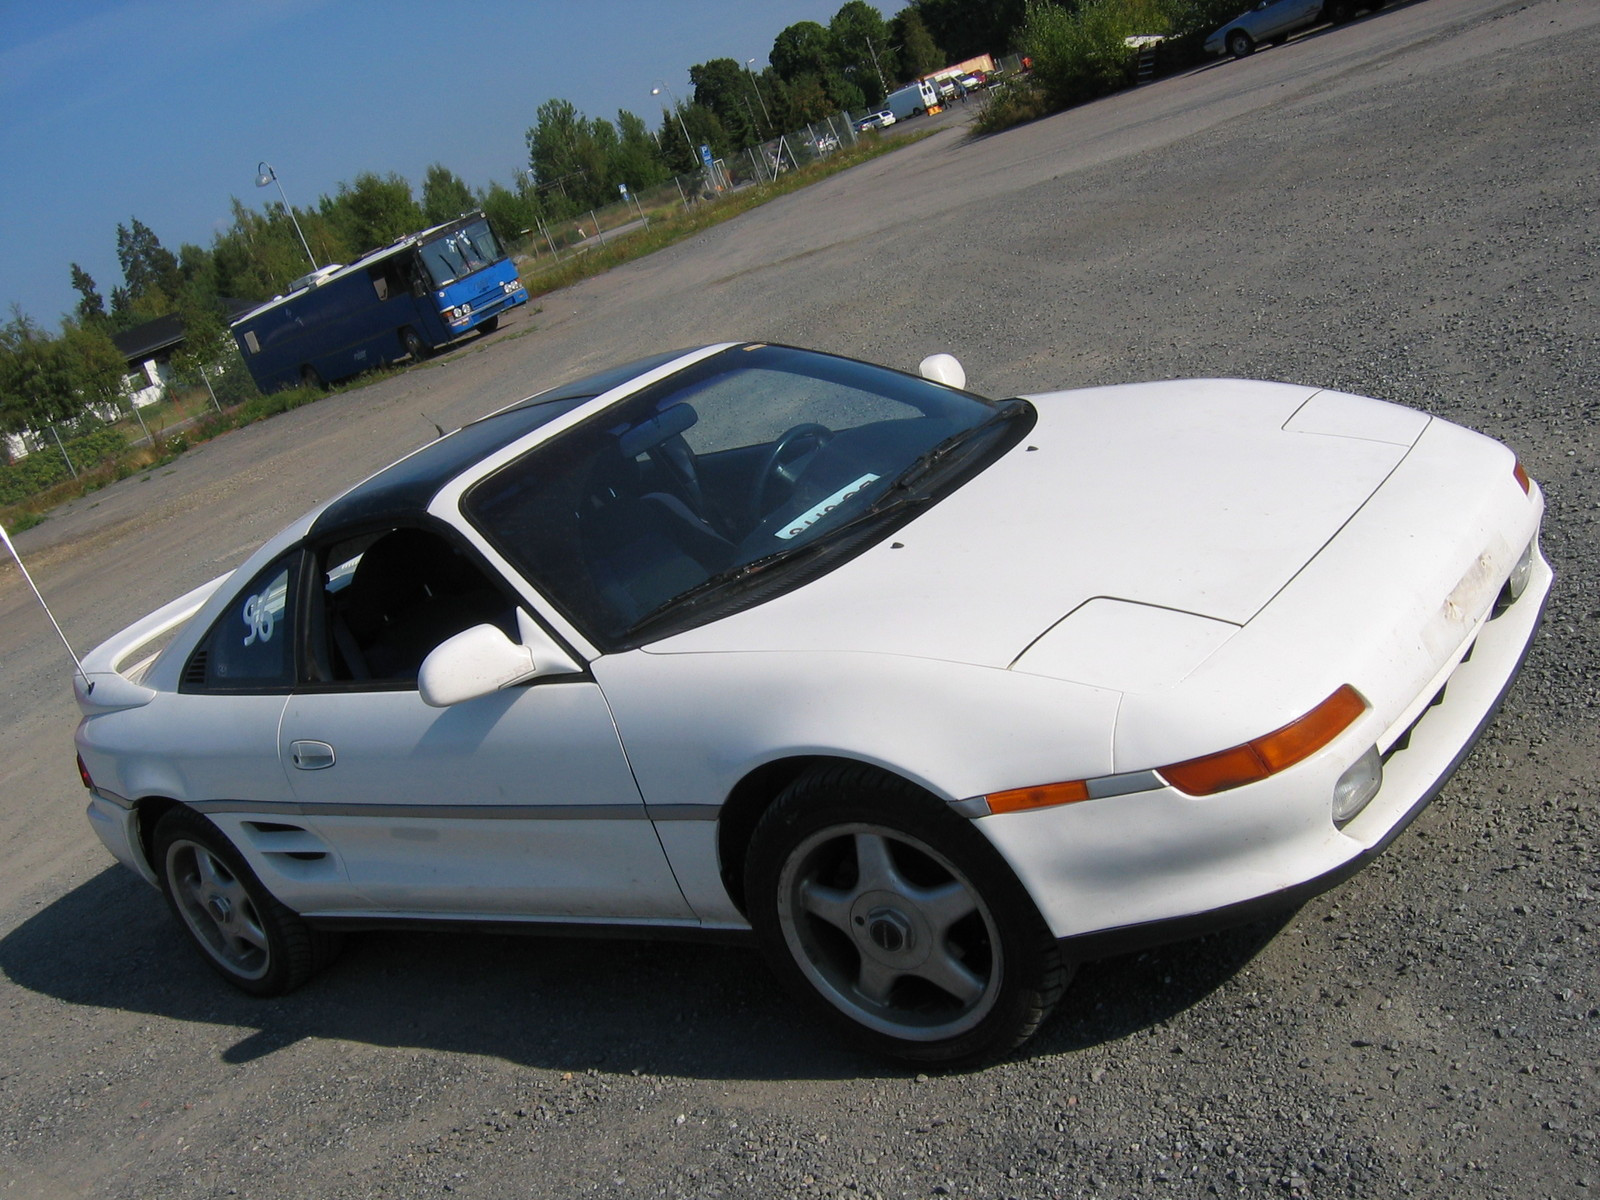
(634,210)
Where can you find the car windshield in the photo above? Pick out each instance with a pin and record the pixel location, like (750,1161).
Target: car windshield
(760,465)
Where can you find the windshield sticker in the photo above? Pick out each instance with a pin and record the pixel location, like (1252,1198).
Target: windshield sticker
(806,520)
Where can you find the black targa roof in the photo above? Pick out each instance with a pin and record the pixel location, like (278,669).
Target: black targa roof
(409,486)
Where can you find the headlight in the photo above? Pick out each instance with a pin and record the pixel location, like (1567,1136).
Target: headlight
(1359,784)
(1516,582)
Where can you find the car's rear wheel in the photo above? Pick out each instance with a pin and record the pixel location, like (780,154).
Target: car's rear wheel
(899,919)
(244,933)
(1239,44)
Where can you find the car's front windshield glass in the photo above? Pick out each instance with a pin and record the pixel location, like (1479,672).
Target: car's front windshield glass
(742,464)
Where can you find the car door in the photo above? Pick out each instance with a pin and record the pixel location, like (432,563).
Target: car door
(1283,16)
(516,804)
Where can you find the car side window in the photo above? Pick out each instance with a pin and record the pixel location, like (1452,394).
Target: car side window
(388,598)
(251,646)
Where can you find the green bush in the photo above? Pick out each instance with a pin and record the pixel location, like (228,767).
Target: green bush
(1014,104)
(1081,53)
(45,468)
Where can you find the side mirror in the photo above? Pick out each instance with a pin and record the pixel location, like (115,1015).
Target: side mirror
(483,660)
(943,368)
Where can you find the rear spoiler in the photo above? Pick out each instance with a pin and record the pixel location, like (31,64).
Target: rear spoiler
(112,668)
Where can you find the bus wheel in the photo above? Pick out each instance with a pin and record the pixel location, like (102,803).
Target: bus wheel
(490,324)
(310,378)
(412,344)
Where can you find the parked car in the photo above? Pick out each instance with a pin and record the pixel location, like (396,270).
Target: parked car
(1268,21)
(877,120)
(931,695)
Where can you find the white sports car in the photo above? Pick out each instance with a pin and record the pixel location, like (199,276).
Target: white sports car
(935,695)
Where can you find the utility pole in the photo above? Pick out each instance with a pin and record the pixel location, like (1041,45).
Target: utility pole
(870,50)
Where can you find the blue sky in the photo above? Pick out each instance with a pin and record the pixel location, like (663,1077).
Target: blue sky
(161,109)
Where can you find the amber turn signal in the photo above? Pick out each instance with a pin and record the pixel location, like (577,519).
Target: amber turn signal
(1267,755)
(1044,796)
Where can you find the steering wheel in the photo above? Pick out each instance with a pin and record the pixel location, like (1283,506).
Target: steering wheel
(787,451)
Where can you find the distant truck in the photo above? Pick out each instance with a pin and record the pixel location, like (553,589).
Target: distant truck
(912,100)
(411,297)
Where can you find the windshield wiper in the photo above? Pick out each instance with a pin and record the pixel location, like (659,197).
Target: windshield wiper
(734,577)
(898,496)
(929,460)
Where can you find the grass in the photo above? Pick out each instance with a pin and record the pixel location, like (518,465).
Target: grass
(669,230)
(195,404)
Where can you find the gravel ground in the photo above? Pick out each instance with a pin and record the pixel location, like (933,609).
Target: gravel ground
(1405,207)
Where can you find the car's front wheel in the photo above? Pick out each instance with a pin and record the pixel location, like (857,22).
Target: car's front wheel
(245,934)
(899,918)
(1239,44)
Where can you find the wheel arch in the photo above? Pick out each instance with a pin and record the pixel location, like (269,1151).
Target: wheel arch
(756,792)
(148,812)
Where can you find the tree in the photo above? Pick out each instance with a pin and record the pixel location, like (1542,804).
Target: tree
(568,162)
(513,214)
(445,195)
(919,55)
(91,365)
(968,28)
(804,48)
(862,49)
(150,275)
(259,254)
(91,307)
(722,87)
(373,211)
(36,387)
(637,158)
(800,101)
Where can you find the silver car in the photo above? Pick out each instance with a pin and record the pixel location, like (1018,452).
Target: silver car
(1268,21)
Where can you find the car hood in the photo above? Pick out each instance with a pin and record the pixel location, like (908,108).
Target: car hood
(1189,504)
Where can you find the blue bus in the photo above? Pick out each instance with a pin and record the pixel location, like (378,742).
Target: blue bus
(423,291)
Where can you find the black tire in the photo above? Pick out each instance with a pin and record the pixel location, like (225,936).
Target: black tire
(1239,44)
(489,324)
(898,919)
(1339,11)
(240,929)
(412,345)
(312,378)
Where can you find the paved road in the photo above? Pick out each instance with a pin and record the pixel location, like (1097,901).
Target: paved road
(1404,206)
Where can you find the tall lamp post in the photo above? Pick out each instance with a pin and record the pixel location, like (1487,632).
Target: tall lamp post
(660,87)
(265,175)
(748,64)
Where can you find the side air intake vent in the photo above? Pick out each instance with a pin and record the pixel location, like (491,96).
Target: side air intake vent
(194,675)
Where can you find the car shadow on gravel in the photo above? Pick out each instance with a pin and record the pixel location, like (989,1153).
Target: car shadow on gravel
(675,1008)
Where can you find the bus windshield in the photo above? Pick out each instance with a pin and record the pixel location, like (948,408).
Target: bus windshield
(461,252)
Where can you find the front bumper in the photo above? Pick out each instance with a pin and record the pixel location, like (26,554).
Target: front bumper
(1113,874)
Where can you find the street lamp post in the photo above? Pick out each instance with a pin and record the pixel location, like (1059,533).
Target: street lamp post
(660,87)
(265,175)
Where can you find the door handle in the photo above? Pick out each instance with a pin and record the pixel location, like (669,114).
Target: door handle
(311,756)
